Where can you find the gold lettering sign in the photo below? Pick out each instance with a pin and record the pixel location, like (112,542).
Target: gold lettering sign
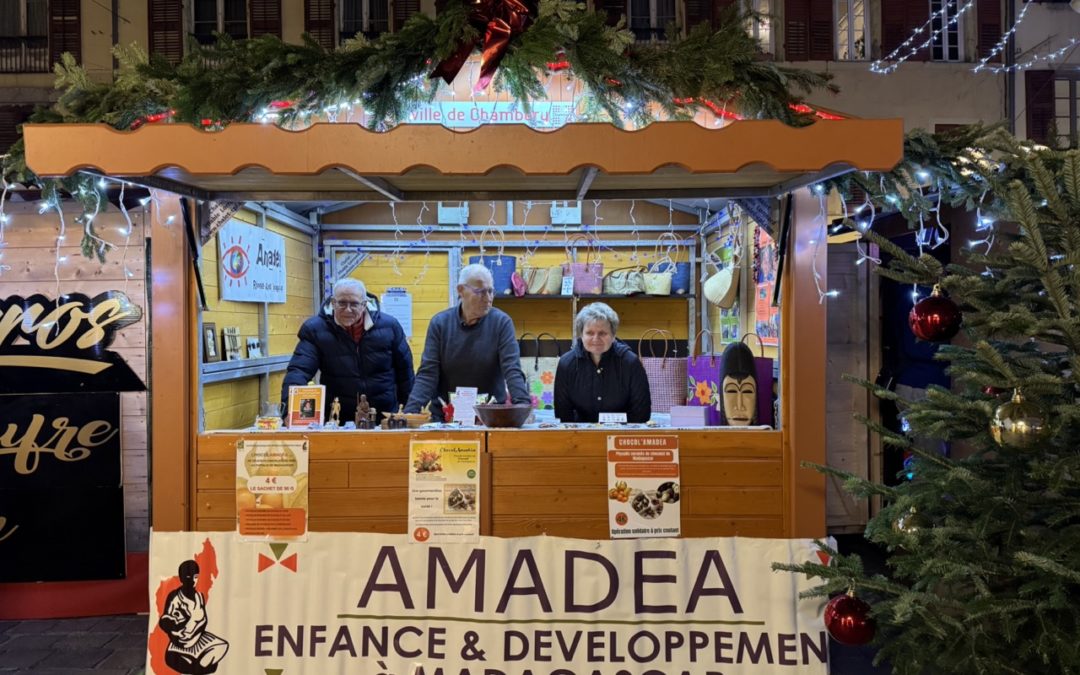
(67,443)
(68,334)
(6,530)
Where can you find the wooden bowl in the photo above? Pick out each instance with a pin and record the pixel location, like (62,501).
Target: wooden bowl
(499,415)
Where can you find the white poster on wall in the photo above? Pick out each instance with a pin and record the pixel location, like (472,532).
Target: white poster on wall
(398,303)
(251,263)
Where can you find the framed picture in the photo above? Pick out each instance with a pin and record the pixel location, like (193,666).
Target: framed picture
(231,336)
(211,353)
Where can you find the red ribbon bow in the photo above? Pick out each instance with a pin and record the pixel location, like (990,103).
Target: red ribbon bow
(498,21)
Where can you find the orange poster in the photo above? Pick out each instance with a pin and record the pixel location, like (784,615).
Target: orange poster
(272,489)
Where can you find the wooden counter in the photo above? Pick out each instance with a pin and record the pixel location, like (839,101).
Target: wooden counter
(555,482)
(358,479)
(532,481)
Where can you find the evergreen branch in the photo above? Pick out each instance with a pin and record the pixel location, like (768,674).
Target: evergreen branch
(1048,566)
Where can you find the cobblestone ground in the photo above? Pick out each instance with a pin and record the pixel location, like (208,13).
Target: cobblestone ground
(112,645)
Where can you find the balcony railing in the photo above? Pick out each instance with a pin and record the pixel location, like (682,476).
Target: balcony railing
(24,55)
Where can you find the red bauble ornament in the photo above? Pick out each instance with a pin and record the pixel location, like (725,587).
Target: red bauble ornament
(935,318)
(848,620)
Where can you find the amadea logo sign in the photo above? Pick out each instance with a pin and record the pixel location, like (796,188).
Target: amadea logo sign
(60,344)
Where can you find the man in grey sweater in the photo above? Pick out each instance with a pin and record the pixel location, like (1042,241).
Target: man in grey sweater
(469,345)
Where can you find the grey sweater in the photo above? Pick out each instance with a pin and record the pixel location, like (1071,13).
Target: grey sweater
(484,355)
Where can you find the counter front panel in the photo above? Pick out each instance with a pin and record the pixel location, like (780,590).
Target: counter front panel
(532,482)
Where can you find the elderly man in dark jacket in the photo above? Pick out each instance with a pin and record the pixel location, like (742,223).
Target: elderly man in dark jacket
(357,352)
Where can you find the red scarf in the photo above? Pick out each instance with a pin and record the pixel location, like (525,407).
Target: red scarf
(356,331)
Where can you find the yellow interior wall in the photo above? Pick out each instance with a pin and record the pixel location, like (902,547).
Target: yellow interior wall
(746,292)
(234,404)
(426,276)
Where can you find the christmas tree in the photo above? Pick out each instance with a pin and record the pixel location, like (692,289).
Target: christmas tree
(983,571)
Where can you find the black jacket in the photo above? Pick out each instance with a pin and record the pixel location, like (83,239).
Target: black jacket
(380,366)
(583,390)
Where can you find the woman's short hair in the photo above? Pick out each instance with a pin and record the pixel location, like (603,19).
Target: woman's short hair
(474,271)
(350,284)
(597,311)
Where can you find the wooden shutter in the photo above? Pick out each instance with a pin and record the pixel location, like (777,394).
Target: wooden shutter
(319,21)
(10,119)
(899,19)
(808,30)
(403,9)
(264,17)
(1039,95)
(165,21)
(988,16)
(65,29)
(613,8)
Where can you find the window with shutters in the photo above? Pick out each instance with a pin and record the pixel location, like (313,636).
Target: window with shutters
(165,27)
(319,22)
(1066,102)
(759,23)
(649,19)
(808,30)
(851,30)
(24,36)
(370,18)
(219,16)
(945,22)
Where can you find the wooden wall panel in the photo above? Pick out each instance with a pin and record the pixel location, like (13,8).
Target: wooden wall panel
(29,264)
(555,482)
(358,480)
(234,404)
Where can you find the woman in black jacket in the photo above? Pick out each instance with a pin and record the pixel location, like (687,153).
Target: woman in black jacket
(600,374)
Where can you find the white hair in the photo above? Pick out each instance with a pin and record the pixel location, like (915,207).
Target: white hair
(474,271)
(350,284)
(597,311)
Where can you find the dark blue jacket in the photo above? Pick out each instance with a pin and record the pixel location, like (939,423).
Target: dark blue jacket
(380,366)
(583,390)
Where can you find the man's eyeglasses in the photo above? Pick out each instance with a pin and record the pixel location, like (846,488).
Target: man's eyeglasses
(490,292)
(345,304)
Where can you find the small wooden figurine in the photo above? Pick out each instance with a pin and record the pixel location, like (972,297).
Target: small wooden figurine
(335,413)
(363,408)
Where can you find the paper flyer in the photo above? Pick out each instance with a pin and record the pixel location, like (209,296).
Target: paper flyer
(643,486)
(444,491)
(306,405)
(272,489)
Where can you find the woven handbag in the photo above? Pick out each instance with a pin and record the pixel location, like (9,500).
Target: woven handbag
(542,280)
(624,281)
(540,372)
(588,275)
(667,375)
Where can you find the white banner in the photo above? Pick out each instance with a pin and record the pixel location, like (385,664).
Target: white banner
(370,603)
(251,263)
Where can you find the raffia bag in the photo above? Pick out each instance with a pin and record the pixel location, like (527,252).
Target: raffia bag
(542,280)
(624,281)
(722,286)
(667,375)
(588,275)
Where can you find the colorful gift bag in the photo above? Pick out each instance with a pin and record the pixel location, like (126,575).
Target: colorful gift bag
(667,374)
(763,370)
(540,370)
(703,379)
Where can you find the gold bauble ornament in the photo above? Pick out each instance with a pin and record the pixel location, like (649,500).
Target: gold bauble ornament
(909,523)
(1018,422)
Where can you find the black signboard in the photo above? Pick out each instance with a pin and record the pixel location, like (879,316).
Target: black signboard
(61,344)
(61,494)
